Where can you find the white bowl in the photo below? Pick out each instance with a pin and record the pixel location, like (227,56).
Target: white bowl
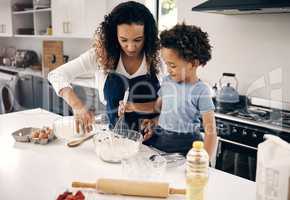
(112,147)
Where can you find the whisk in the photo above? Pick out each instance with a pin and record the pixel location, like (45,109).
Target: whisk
(120,125)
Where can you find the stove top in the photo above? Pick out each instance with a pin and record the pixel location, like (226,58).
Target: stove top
(264,115)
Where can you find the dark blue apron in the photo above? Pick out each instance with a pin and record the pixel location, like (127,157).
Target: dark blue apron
(142,89)
(173,142)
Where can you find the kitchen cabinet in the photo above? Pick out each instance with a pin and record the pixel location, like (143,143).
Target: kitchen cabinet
(67,18)
(62,15)
(40,93)
(37,92)
(31,17)
(94,15)
(57,104)
(75,18)
(25,89)
(5,18)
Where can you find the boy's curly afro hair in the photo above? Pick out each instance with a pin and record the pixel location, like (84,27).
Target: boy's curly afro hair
(190,42)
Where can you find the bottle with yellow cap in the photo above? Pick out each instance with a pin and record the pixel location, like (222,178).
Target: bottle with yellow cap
(197,164)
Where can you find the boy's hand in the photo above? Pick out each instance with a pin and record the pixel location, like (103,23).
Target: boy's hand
(147,127)
(124,107)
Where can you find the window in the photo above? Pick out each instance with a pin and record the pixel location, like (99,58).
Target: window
(167,14)
(164,12)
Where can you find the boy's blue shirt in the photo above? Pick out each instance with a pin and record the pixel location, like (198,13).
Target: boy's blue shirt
(183,104)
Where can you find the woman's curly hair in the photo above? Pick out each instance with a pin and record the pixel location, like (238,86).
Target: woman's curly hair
(107,45)
(190,42)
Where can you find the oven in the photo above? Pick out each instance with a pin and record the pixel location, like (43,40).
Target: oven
(237,149)
(242,130)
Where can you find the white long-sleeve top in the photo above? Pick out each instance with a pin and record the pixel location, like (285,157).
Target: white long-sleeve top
(86,63)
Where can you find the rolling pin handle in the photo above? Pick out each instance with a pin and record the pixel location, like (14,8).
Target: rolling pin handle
(177,191)
(83,185)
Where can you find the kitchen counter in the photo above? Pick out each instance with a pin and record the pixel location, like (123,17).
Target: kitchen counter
(85,81)
(27,71)
(33,172)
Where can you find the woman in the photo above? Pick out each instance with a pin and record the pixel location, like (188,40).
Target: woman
(125,55)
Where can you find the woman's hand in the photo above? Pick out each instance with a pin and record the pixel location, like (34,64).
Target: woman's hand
(147,127)
(84,120)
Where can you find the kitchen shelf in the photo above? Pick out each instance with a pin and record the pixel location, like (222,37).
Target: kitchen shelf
(31,11)
(22,12)
(33,36)
(33,21)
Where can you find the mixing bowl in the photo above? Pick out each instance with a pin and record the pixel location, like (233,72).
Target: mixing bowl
(112,147)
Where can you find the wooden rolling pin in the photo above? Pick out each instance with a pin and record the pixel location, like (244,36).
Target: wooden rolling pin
(131,188)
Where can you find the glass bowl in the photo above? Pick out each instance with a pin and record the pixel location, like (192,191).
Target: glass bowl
(144,166)
(112,147)
(65,128)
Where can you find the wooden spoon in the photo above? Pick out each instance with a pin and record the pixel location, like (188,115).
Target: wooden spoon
(75,143)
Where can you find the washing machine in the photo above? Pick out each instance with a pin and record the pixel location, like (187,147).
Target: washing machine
(8,91)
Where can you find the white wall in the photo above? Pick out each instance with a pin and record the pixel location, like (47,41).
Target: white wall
(255,47)
(112,3)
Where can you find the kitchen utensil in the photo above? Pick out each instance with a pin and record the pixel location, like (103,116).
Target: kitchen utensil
(65,128)
(111,147)
(131,188)
(141,166)
(52,55)
(6,62)
(75,143)
(102,122)
(172,159)
(25,58)
(120,124)
(227,97)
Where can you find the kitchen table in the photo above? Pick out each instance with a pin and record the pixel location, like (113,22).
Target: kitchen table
(41,172)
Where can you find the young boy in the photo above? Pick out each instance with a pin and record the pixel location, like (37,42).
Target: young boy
(183,97)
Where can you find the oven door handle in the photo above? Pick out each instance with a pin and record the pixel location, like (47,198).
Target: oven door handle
(236,143)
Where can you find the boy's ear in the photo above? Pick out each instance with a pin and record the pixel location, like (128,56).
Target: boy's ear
(195,63)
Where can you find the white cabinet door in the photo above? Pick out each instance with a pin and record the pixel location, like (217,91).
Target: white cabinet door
(5,18)
(94,14)
(77,18)
(59,17)
(67,17)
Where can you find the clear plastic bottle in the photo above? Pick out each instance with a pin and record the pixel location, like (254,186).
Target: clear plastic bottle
(197,165)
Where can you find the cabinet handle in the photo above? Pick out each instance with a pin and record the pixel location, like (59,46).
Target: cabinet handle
(63,27)
(4,28)
(25,79)
(68,27)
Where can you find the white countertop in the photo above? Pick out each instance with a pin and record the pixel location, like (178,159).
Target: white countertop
(27,70)
(34,172)
(88,81)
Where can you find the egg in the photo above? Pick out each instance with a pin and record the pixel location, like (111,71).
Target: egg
(35,134)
